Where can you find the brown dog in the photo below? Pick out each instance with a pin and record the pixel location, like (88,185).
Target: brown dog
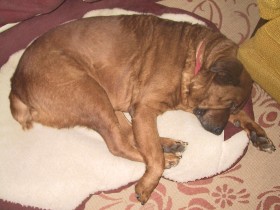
(87,72)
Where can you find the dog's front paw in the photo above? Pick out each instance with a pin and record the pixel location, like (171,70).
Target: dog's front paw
(174,146)
(143,191)
(262,143)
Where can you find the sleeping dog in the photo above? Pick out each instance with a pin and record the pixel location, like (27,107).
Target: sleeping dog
(88,72)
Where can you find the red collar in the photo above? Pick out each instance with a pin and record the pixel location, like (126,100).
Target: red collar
(198,58)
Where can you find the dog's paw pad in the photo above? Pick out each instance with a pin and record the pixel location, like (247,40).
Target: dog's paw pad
(262,143)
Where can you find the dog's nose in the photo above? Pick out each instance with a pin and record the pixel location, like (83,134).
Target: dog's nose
(217,131)
(199,112)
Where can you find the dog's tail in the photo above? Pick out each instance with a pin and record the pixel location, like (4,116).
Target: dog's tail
(21,112)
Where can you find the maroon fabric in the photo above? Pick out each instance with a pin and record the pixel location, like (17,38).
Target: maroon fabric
(6,205)
(12,11)
(20,36)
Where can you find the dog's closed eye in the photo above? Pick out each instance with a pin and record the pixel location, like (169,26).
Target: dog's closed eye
(199,112)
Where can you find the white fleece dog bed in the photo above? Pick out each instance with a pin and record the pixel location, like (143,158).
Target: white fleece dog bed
(57,169)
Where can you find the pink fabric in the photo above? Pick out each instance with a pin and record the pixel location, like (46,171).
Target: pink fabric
(17,10)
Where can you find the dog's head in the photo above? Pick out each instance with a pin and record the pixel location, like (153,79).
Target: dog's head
(219,89)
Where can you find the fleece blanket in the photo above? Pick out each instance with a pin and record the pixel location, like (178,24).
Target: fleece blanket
(58,168)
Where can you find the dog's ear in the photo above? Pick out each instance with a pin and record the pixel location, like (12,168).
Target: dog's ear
(227,71)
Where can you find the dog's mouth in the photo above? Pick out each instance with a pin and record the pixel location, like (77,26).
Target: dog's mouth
(213,121)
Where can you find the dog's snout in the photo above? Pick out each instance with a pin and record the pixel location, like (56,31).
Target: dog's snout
(213,120)
(199,112)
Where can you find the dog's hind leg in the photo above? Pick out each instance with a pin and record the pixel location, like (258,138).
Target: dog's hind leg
(256,134)
(67,101)
(97,113)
